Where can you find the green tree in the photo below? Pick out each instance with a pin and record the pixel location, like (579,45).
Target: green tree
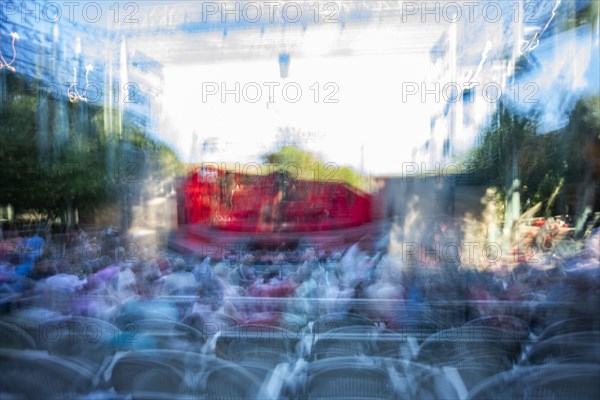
(51,168)
(309,166)
(512,148)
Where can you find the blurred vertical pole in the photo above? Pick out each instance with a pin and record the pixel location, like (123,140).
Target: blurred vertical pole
(122,152)
(123,84)
(82,115)
(57,98)
(447,152)
(42,104)
(111,94)
(194,148)
(596,9)
(452,200)
(362,160)
(3,91)
(284,65)
(513,197)
(518,37)
(61,118)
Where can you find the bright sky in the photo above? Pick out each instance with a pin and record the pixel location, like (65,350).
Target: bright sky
(369,111)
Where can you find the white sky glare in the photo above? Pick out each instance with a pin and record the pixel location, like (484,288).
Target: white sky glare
(369,110)
(359,71)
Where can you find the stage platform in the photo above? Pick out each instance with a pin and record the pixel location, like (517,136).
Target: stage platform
(207,241)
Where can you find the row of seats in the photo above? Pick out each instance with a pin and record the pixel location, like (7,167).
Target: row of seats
(163,374)
(343,358)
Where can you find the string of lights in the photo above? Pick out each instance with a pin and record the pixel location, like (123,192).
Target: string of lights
(3,62)
(72,92)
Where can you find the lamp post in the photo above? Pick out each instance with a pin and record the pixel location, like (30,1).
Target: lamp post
(284,65)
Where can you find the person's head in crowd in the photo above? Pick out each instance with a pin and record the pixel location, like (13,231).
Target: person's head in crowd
(202,269)
(123,284)
(105,261)
(475,279)
(503,271)
(315,274)
(14,258)
(120,254)
(221,270)
(279,259)
(148,275)
(164,265)
(248,260)
(366,244)
(537,279)
(433,284)
(592,243)
(303,273)
(63,266)
(194,260)
(555,275)
(6,268)
(449,269)
(270,275)
(411,274)
(310,254)
(332,262)
(211,292)
(443,227)
(179,265)
(389,270)
(232,259)
(83,236)
(44,269)
(520,273)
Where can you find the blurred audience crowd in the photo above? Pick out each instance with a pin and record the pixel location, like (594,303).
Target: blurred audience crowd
(106,277)
(106,316)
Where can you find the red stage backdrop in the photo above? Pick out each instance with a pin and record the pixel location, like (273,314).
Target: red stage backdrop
(233,201)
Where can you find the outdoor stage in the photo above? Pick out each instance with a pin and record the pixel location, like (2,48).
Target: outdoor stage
(220,212)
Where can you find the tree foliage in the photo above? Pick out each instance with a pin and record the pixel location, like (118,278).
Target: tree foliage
(306,165)
(511,148)
(49,165)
